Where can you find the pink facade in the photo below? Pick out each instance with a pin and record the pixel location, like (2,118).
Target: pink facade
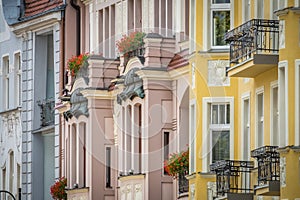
(123,119)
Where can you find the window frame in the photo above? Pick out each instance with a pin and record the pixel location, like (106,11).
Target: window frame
(218,7)
(218,127)
(18,78)
(206,144)
(6,80)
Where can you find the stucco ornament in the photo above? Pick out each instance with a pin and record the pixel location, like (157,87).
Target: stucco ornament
(217,73)
(283,172)
(78,104)
(133,86)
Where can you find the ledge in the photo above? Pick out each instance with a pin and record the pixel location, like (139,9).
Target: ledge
(11,110)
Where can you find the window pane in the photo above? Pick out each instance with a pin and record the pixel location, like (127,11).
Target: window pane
(221,24)
(221,1)
(228,114)
(214,114)
(220,145)
(222,114)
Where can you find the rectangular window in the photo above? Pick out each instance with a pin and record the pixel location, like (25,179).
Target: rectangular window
(259,119)
(192,137)
(247,10)
(18,84)
(192,26)
(166,147)
(217,130)
(274,115)
(259,9)
(19,176)
(6,81)
(246,129)
(283,100)
(3,195)
(274,7)
(220,133)
(220,145)
(108,167)
(11,171)
(220,16)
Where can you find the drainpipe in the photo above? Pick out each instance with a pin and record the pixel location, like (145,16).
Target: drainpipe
(61,81)
(78,35)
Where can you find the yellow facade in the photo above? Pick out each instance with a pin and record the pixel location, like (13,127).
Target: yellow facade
(269,81)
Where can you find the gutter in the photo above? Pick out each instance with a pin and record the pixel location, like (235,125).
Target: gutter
(78,27)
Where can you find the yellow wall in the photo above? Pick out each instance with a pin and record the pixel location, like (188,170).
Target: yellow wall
(238,87)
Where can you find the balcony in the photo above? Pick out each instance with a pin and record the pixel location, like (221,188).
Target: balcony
(47,112)
(139,53)
(233,179)
(254,47)
(268,171)
(183,184)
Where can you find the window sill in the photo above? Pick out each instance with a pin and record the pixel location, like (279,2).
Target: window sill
(215,50)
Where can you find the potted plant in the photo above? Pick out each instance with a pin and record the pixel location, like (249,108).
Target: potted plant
(57,190)
(76,62)
(130,42)
(178,163)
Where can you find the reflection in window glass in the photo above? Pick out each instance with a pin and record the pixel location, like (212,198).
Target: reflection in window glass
(221,1)
(220,145)
(221,24)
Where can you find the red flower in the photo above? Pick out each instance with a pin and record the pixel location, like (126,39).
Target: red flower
(131,42)
(76,62)
(177,163)
(57,190)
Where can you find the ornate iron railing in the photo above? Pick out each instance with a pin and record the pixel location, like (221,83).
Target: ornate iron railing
(47,112)
(232,176)
(268,160)
(255,36)
(183,183)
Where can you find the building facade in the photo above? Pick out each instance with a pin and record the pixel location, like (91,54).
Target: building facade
(263,58)
(37,27)
(123,116)
(10,106)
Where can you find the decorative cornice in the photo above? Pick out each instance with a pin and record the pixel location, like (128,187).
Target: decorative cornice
(153,74)
(97,94)
(178,72)
(37,23)
(17,109)
(86,2)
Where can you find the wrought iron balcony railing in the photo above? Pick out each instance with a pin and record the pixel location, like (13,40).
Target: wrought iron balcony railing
(47,112)
(268,160)
(183,183)
(257,36)
(232,176)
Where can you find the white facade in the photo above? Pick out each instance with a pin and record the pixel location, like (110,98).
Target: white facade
(10,112)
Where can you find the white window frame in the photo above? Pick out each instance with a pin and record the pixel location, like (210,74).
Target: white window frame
(192,136)
(297,100)
(245,97)
(192,26)
(273,85)
(206,140)
(207,24)
(259,91)
(283,134)
(6,74)
(18,78)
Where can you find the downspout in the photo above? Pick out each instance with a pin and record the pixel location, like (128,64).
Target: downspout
(61,82)
(78,27)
